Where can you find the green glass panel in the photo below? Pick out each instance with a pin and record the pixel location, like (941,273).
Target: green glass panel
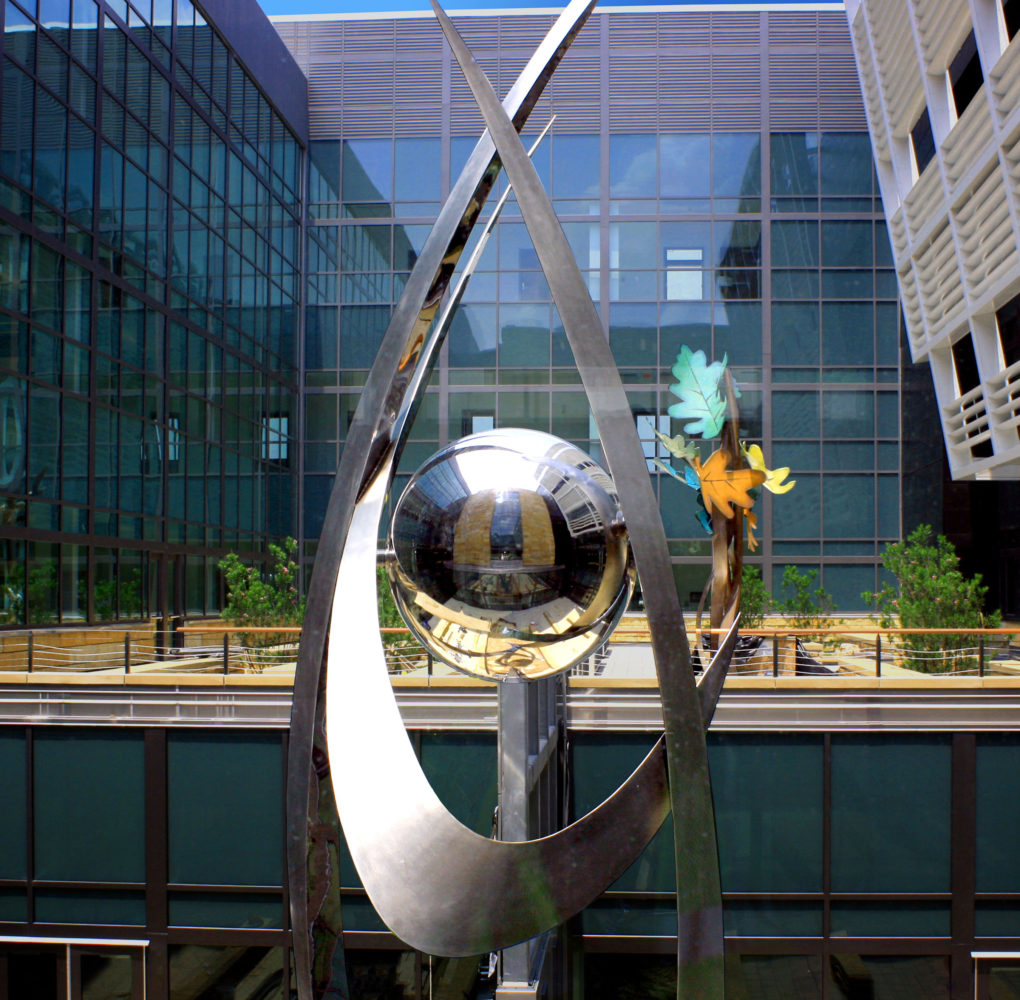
(889,919)
(13,906)
(629,916)
(225,808)
(997,781)
(216,909)
(13,818)
(89,806)
(462,769)
(63,906)
(794,163)
(768,807)
(997,920)
(798,515)
(849,506)
(753,919)
(890,830)
(845,584)
(359,914)
(602,761)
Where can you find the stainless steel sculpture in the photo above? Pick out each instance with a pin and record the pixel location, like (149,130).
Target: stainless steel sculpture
(511,555)
(422,869)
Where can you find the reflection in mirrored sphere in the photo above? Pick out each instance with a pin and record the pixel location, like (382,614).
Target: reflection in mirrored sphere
(511,555)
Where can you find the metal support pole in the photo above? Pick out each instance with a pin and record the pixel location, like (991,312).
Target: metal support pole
(981,655)
(878,655)
(127,652)
(515,963)
(31,650)
(775,656)
(226,652)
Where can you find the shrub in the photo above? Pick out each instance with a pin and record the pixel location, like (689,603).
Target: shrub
(802,606)
(755,600)
(263,599)
(930,593)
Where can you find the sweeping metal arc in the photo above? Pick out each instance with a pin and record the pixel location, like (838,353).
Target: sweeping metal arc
(425,873)
(699,898)
(312,853)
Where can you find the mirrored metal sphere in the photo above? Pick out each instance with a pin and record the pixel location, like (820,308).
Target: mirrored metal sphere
(511,555)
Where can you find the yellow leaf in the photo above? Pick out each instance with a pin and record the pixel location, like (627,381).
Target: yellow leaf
(773,477)
(721,486)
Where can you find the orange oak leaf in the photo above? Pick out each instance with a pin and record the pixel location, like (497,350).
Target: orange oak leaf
(721,486)
(752,527)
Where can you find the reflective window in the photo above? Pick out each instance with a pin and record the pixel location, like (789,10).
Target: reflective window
(89,806)
(878,805)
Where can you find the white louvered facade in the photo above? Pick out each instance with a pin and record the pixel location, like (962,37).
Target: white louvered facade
(955,226)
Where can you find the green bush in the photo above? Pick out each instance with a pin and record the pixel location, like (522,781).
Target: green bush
(755,600)
(930,593)
(266,598)
(803,605)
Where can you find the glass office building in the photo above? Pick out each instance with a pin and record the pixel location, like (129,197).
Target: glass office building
(714,177)
(149,306)
(203,230)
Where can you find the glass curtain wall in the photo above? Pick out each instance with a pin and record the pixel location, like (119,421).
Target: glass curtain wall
(768,249)
(149,300)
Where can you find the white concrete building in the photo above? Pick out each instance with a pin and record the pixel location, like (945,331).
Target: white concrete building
(941,86)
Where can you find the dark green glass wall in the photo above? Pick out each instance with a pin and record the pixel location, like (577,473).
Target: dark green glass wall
(149,308)
(867,857)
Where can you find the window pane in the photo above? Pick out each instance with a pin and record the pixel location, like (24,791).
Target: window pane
(795,333)
(224,800)
(848,414)
(794,163)
(632,169)
(998,812)
(890,831)
(883,977)
(601,762)
(768,806)
(848,331)
(576,162)
(89,806)
(461,767)
(685,168)
(847,244)
(417,163)
(633,333)
(846,163)
(13,820)
(367,170)
(736,164)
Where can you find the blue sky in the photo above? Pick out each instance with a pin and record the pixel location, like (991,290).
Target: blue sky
(272,7)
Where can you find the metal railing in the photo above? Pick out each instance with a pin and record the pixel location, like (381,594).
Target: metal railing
(845,650)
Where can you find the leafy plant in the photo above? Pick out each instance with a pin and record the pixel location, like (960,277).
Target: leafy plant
(755,600)
(263,598)
(803,605)
(931,593)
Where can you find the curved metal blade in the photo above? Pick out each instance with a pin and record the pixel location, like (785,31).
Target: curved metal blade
(699,899)
(711,682)
(439,886)
(311,863)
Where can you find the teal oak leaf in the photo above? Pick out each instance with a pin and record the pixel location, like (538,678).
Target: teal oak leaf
(697,388)
(689,477)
